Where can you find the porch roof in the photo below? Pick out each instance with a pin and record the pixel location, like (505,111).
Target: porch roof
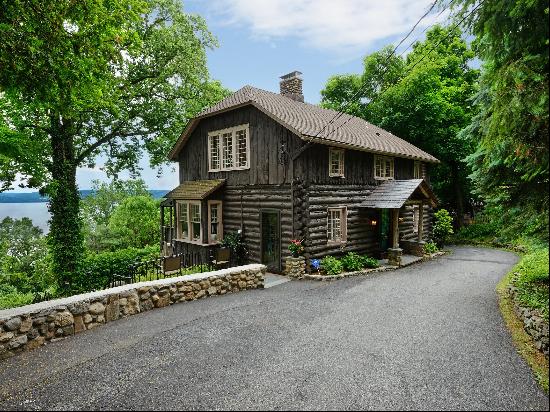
(393,194)
(195,189)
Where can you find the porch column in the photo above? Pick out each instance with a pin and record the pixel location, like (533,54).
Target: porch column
(420,221)
(395,228)
(395,253)
(162,227)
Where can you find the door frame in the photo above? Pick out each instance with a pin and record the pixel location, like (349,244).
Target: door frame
(278,213)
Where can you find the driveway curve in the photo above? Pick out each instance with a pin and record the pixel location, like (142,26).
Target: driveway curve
(429,336)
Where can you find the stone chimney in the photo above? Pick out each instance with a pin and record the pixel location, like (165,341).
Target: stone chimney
(291,86)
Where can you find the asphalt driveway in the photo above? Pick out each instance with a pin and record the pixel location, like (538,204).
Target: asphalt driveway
(429,336)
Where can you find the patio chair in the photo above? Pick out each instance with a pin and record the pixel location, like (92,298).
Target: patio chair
(222,257)
(171,265)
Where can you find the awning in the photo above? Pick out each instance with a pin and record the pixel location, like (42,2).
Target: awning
(393,194)
(195,189)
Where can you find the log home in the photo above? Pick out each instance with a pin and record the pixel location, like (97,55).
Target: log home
(276,169)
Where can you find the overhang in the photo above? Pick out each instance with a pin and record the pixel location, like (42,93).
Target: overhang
(195,189)
(393,194)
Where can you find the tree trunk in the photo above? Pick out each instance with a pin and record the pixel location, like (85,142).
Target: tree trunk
(65,237)
(459,197)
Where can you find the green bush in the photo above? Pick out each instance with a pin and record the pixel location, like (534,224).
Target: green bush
(443,227)
(352,262)
(235,242)
(331,265)
(369,262)
(10,297)
(98,267)
(430,247)
(532,280)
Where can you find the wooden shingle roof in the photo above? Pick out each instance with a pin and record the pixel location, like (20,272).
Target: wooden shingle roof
(308,120)
(392,194)
(195,190)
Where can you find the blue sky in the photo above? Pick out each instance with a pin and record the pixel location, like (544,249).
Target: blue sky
(261,40)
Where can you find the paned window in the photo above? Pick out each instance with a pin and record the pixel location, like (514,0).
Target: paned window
(336,224)
(195,221)
(215,222)
(383,167)
(336,163)
(229,149)
(214,151)
(416,217)
(184,220)
(418,170)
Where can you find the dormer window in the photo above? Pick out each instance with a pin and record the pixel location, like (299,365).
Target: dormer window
(229,149)
(383,168)
(336,162)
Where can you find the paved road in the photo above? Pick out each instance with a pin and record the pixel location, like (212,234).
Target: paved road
(429,336)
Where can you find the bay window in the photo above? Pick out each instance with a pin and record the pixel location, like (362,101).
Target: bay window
(191,226)
(229,149)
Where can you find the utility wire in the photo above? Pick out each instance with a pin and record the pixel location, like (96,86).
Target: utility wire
(412,67)
(341,112)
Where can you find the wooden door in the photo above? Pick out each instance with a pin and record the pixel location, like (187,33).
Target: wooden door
(385,228)
(271,239)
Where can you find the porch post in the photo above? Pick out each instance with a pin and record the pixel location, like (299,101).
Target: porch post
(420,221)
(395,253)
(161,227)
(395,228)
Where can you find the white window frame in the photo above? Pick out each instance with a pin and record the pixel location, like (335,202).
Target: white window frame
(219,204)
(343,225)
(340,153)
(416,218)
(384,160)
(417,170)
(234,149)
(189,237)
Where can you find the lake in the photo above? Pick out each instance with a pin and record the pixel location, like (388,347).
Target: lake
(37,212)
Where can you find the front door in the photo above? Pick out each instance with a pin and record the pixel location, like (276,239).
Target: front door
(271,239)
(384,230)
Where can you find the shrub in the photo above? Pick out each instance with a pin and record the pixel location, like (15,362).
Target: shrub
(331,265)
(235,242)
(430,247)
(369,262)
(10,297)
(99,267)
(352,262)
(532,281)
(443,227)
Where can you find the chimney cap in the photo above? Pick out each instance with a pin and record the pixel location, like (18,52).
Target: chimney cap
(291,75)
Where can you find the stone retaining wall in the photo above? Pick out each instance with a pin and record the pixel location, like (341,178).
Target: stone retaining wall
(31,326)
(533,323)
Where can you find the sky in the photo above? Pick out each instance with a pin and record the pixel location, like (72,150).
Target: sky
(261,40)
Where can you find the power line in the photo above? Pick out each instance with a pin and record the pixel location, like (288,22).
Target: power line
(410,69)
(341,112)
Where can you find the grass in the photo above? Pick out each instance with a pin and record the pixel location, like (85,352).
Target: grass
(521,339)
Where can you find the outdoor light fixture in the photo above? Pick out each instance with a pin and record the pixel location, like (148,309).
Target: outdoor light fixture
(400,219)
(373,222)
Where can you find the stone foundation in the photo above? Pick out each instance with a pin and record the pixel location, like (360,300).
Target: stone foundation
(295,267)
(533,323)
(412,247)
(394,256)
(31,326)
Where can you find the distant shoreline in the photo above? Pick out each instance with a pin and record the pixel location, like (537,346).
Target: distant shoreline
(34,197)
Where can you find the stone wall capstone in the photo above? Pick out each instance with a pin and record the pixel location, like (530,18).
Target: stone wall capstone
(31,326)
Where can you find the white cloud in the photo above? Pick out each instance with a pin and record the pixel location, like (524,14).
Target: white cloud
(341,26)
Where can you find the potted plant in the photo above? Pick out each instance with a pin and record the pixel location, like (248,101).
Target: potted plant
(296,248)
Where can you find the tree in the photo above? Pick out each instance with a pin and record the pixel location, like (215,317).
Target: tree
(82,78)
(510,131)
(135,222)
(426,102)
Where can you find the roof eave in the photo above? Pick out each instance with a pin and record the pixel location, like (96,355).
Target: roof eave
(334,143)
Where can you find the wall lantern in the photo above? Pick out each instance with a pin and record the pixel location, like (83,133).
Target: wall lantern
(373,222)
(401,220)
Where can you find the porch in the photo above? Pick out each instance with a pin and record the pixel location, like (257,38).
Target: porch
(390,197)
